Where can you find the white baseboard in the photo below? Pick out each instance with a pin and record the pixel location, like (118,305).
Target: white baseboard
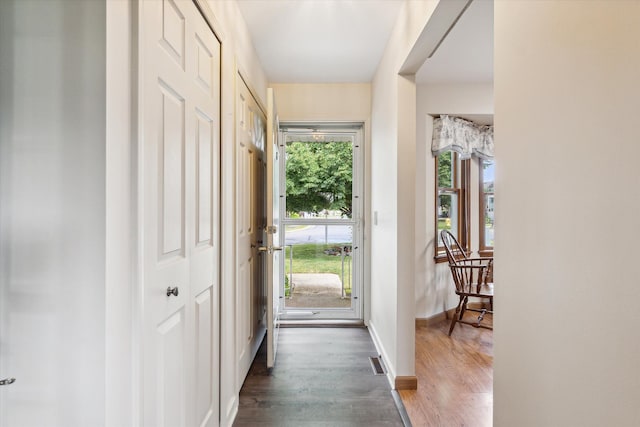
(231,413)
(391,372)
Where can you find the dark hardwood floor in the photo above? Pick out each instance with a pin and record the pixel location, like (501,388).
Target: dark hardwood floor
(322,377)
(455,377)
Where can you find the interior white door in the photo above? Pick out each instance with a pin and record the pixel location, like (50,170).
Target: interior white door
(250,131)
(273,248)
(180,192)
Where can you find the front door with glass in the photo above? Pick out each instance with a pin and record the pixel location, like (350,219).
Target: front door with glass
(321,184)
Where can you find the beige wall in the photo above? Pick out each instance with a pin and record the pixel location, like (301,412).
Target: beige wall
(337,102)
(434,286)
(393,124)
(567,98)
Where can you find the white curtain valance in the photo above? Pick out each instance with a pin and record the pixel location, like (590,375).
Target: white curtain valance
(462,136)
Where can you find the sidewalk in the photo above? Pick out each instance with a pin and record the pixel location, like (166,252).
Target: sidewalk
(317,290)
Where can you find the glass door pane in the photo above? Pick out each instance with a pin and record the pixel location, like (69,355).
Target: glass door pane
(318,266)
(319,177)
(321,167)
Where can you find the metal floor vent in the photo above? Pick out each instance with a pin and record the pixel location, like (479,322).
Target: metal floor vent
(376,365)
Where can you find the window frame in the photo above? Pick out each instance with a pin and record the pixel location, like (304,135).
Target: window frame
(483,249)
(461,187)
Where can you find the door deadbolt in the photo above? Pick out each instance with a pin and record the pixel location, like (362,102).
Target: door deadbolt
(172,291)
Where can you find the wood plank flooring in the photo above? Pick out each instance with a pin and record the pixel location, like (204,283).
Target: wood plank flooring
(455,377)
(322,377)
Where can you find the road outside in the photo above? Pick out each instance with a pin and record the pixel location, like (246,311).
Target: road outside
(318,234)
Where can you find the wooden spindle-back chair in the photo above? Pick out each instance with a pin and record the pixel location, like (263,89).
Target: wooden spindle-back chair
(473,277)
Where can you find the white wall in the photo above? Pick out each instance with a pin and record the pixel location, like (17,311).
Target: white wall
(52,212)
(393,123)
(434,286)
(237,54)
(567,98)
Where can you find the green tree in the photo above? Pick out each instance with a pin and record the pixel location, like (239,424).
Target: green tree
(319,176)
(444,169)
(445,177)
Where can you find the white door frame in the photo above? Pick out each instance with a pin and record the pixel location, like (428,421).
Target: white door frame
(356,312)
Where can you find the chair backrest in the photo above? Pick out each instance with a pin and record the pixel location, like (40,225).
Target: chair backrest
(469,274)
(452,247)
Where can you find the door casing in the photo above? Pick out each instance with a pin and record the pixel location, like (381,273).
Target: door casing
(356,312)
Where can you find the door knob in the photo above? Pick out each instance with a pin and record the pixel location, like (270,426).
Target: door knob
(7,381)
(172,291)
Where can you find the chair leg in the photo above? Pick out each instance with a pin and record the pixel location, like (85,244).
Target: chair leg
(456,316)
(464,307)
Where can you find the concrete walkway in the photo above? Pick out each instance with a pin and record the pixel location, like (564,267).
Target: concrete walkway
(317,290)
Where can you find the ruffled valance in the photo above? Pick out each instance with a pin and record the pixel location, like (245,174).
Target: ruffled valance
(462,136)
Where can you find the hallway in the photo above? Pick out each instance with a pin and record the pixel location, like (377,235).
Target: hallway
(322,377)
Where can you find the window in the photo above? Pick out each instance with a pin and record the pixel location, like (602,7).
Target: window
(452,199)
(487,168)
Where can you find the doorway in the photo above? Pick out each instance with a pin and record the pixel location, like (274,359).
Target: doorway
(321,187)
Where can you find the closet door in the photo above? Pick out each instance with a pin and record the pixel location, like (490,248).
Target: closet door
(180,190)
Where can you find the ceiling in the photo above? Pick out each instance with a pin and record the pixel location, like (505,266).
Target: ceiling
(320,41)
(342,41)
(466,54)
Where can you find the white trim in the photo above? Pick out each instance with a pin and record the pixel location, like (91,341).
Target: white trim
(240,73)
(138,214)
(231,412)
(229,389)
(122,284)
(357,130)
(210,18)
(391,373)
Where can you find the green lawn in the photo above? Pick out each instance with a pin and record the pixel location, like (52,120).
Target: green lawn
(311,258)
(442,224)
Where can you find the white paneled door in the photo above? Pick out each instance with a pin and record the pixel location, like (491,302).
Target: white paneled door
(250,222)
(179,163)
